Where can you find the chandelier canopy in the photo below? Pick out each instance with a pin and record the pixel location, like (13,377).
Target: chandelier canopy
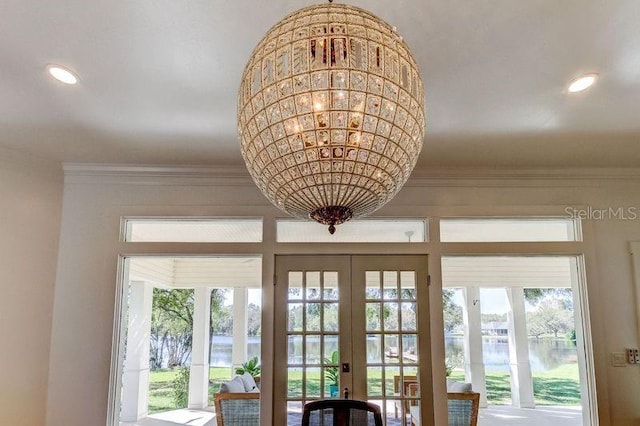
(331,113)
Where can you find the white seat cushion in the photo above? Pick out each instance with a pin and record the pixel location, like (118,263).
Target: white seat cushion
(233,386)
(455,386)
(249,383)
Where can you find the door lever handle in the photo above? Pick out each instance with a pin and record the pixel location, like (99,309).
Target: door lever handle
(345,393)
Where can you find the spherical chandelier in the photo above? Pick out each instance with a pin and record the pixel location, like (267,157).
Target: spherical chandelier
(331,113)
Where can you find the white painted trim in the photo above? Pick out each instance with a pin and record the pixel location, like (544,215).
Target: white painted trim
(448,177)
(117,346)
(635,252)
(528,173)
(88,173)
(586,372)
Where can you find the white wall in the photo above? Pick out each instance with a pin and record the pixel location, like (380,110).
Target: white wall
(94,201)
(30,209)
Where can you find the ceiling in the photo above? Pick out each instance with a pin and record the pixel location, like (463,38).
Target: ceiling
(159,79)
(191,272)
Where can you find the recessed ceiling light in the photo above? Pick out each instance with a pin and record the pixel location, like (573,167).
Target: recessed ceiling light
(582,83)
(62,74)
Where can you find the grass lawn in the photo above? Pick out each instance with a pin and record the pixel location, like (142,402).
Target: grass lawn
(560,386)
(161,387)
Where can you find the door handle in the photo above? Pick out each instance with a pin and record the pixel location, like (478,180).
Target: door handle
(345,393)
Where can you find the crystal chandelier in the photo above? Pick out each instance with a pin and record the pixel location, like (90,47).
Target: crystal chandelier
(331,113)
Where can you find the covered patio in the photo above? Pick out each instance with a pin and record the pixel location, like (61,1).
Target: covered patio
(499,415)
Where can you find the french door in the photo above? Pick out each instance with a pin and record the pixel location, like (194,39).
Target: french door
(354,327)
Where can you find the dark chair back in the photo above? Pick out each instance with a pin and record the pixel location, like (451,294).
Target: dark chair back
(341,412)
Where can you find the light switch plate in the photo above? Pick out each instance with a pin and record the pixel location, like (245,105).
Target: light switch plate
(618,359)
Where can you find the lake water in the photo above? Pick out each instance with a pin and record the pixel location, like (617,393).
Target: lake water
(221,350)
(544,354)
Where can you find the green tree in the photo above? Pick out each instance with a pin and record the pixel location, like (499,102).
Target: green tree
(534,296)
(171,326)
(550,317)
(254,320)
(452,312)
(493,317)
(218,295)
(222,321)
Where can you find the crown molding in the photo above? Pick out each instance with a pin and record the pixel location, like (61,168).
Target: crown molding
(91,173)
(155,174)
(529,177)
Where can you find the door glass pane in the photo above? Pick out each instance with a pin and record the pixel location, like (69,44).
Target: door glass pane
(295,407)
(313,338)
(392,343)
(313,350)
(313,317)
(390,374)
(331,344)
(374,382)
(313,382)
(330,317)
(331,285)
(373,316)
(295,285)
(408,285)
(294,380)
(390,285)
(374,348)
(408,313)
(410,348)
(313,285)
(392,348)
(390,313)
(295,317)
(331,375)
(372,283)
(294,349)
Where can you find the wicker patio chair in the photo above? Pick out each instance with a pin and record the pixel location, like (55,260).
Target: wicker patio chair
(462,408)
(237,409)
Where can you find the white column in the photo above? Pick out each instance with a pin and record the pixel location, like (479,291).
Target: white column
(135,380)
(240,307)
(520,368)
(199,370)
(585,394)
(473,358)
